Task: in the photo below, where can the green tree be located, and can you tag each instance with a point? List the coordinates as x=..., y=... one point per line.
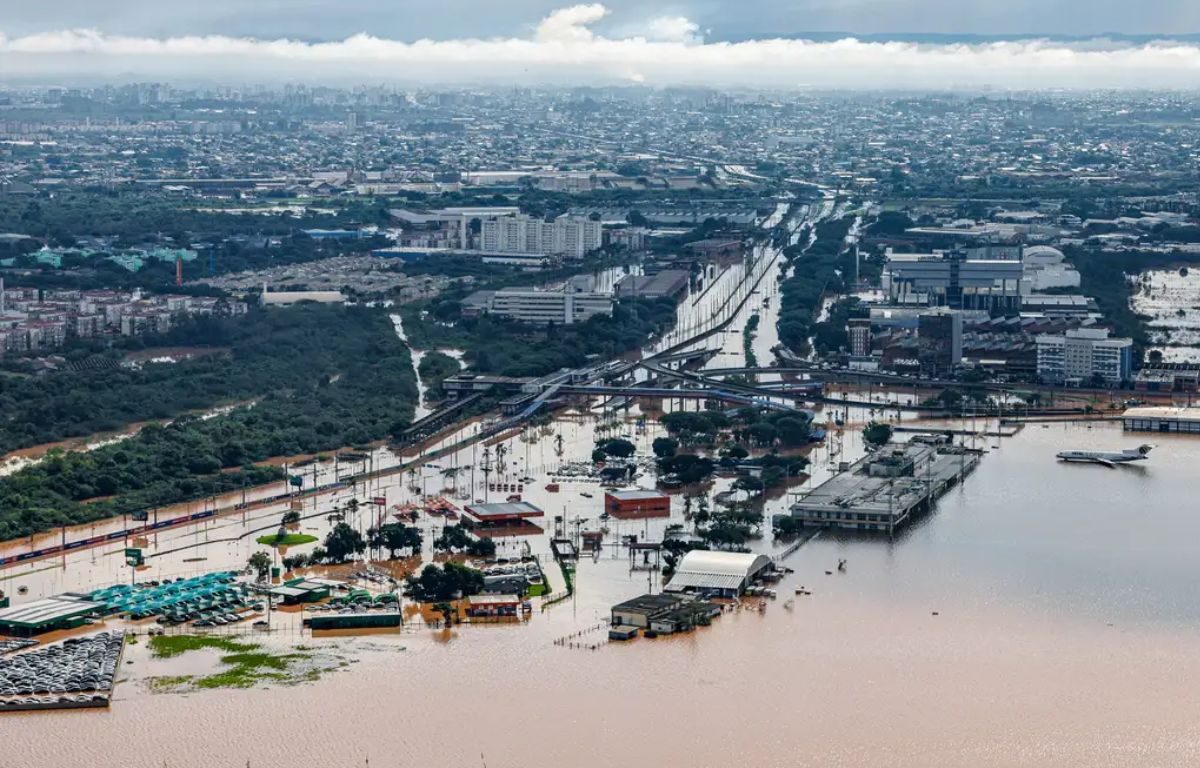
x=665, y=447
x=877, y=433
x=620, y=448
x=260, y=563
x=343, y=542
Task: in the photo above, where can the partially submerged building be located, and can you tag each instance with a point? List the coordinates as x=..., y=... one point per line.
x=721, y=574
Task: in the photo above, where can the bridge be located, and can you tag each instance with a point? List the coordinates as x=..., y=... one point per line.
x=681, y=393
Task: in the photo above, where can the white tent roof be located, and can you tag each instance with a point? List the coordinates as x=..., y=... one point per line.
x=706, y=569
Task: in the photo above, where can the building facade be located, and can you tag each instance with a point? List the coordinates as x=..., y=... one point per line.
x=954, y=280
x=571, y=236
x=939, y=342
x=1083, y=354
x=561, y=307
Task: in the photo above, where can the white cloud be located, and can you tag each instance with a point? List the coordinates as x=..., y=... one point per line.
x=565, y=49
x=570, y=25
x=677, y=28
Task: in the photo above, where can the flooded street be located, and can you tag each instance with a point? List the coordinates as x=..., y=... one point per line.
x=1043, y=614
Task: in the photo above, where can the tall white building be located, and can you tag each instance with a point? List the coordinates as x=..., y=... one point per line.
x=1080, y=354
x=571, y=236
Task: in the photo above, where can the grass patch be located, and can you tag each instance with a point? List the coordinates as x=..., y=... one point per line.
x=247, y=669
x=537, y=590
x=169, y=682
x=167, y=646
x=286, y=540
x=246, y=664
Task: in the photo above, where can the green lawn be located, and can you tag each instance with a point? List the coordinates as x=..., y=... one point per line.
x=245, y=664
x=287, y=540
x=537, y=590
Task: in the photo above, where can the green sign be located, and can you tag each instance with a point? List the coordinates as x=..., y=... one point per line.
x=133, y=556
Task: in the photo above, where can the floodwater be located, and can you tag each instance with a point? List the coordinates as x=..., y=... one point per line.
x=1171, y=298
x=1043, y=615
x=1064, y=635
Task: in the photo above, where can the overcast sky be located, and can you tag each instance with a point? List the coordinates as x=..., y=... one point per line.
x=658, y=43
x=412, y=19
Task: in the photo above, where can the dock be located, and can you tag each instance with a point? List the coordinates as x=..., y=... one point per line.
x=886, y=489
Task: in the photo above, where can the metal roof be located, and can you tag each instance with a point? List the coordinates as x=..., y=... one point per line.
x=47, y=610
x=707, y=569
x=507, y=509
x=1163, y=412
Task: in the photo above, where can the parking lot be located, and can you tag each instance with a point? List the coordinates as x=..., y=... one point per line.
x=75, y=673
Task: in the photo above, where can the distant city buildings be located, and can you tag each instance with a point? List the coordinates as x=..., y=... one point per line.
x=33, y=320
x=1082, y=355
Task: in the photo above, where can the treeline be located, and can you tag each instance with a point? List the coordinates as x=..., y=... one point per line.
x=509, y=348
x=335, y=377
x=292, y=350
x=815, y=271
x=143, y=216
x=162, y=465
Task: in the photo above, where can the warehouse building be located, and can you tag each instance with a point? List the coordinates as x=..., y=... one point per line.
x=641, y=611
x=48, y=615
x=724, y=574
x=509, y=518
x=637, y=504
x=1162, y=419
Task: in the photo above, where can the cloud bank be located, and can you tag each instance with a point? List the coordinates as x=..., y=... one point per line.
x=564, y=49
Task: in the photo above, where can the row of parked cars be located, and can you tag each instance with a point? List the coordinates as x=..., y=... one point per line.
x=217, y=616
x=11, y=644
x=80, y=666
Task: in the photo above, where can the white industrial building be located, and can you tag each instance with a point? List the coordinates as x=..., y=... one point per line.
x=954, y=280
x=726, y=574
x=561, y=307
x=1162, y=419
x=1045, y=268
x=1084, y=353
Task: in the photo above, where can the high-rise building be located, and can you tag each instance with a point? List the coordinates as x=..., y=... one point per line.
x=860, y=336
x=1083, y=354
x=571, y=236
x=939, y=341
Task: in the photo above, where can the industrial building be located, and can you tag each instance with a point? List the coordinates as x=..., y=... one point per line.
x=723, y=574
x=300, y=591
x=666, y=284
x=885, y=489
x=954, y=280
x=637, y=504
x=1082, y=354
x=47, y=615
x=507, y=518
x=357, y=620
x=530, y=305
x=1162, y=419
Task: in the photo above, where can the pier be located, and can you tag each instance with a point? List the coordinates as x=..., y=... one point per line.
x=884, y=490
